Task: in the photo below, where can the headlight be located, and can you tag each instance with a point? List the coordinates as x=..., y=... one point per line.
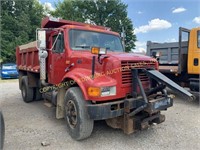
x=108, y=91
x=4, y=72
x=103, y=91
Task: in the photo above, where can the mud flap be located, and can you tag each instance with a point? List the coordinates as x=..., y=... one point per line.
x=156, y=75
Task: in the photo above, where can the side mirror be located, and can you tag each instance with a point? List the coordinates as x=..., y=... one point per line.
x=41, y=41
x=99, y=51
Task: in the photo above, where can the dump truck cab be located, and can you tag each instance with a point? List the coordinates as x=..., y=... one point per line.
x=83, y=70
x=70, y=48
x=194, y=51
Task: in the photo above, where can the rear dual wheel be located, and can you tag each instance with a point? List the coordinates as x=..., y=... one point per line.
x=29, y=94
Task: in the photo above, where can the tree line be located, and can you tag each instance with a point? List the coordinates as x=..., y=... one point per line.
x=19, y=20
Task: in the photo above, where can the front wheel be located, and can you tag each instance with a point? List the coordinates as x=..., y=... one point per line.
x=79, y=124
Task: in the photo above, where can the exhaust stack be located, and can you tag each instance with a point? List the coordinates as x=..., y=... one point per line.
x=41, y=46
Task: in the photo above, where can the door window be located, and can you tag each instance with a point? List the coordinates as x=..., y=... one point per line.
x=58, y=43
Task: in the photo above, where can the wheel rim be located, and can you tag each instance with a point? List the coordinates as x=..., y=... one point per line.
x=71, y=113
x=23, y=91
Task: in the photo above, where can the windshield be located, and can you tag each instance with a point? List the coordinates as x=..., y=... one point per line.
x=8, y=67
x=84, y=40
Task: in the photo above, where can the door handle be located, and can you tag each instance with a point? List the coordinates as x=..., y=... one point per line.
x=68, y=68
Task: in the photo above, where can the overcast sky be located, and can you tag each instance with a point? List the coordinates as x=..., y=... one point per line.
x=157, y=20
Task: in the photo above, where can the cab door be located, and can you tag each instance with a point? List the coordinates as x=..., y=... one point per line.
x=194, y=52
x=57, y=65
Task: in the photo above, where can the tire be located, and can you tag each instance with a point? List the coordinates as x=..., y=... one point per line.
x=2, y=131
x=79, y=124
x=27, y=92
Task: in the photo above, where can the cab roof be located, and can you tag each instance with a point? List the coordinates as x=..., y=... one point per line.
x=50, y=22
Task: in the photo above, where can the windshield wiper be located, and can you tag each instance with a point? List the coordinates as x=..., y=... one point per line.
x=82, y=46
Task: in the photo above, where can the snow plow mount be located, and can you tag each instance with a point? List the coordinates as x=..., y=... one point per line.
x=141, y=111
x=160, y=78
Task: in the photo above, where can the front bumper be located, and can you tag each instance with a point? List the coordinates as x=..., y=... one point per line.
x=118, y=108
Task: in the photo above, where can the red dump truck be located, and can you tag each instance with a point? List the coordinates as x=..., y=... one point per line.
x=83, y=70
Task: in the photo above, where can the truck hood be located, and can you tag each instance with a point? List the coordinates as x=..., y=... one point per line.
x=120, y=56
x=129, y=56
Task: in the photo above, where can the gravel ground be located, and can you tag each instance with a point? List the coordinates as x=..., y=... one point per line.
x=27, y=125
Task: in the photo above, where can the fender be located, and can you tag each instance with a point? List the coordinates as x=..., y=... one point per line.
x=83, y=77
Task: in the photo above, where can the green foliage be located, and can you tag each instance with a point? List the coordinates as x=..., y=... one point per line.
x=100, y=12
x=19, y=20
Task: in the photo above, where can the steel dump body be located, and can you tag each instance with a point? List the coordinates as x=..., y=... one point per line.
x=171, y=60
x=180, y=60
x=27, y=58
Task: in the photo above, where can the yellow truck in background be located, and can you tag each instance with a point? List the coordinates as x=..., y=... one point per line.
x=180, y=61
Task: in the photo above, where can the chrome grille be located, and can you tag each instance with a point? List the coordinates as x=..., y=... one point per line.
x=126, y=70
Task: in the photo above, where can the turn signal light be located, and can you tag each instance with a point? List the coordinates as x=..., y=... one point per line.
x=94, y=91
x=98, y=50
